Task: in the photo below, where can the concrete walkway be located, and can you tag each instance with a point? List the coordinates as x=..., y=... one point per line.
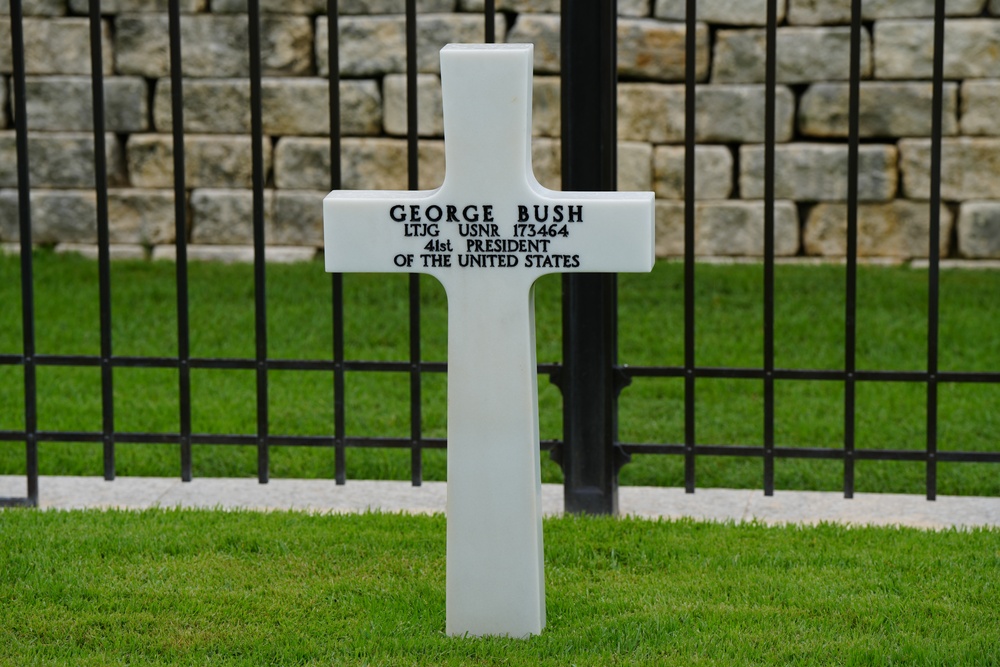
x=357, y=496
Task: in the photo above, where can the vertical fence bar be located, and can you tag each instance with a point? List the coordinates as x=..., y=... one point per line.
x=27, y=272
x=103, y=249
x=413, y=175
x=770, y=85
x=934, y=252
x=180, y=233
x=851, y=289
x=259, y=248
x=412, y=154
x=337, y=279
x=690, y=143
x=590, y=457
x=489, y=17
x=339, y=421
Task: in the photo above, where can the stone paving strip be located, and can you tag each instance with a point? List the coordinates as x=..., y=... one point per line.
x=800, y=507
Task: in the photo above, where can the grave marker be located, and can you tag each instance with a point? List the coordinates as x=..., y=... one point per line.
x=487, y=234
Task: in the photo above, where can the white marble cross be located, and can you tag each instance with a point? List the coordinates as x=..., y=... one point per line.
x=487, y=234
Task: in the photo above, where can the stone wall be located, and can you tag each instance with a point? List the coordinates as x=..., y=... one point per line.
x=811, y=118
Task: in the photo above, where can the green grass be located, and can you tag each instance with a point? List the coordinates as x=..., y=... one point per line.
x=221, y=588
x=809, y=333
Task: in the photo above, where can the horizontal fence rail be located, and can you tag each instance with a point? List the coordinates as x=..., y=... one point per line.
x=338, y=367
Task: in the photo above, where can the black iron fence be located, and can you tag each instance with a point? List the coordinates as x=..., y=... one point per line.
x=589, y=375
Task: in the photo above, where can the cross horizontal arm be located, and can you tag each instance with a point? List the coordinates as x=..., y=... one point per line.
x=530, y=233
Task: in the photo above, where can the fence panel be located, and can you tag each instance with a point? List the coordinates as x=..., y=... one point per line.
x=590, y=375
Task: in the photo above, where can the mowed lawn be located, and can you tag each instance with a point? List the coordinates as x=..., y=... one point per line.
x=809, y=334
x=238, y=588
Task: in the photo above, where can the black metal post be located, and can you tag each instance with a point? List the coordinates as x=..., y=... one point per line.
x=337, y=279
x=180, y=234
x=259, y=243
x=589, y=457
x=413, y=181
x=27, y=273
x=103, y=239
x=690, y=139
x=934, y=253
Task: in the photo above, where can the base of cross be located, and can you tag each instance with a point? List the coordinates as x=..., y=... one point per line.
x=487, y=234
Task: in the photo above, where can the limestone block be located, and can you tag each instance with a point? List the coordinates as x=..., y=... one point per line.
x=727, y=12
x=900, y=228
x=542, y=30
x=519, y=6
x=649, y=49
x=713, y=172
x=223, y=254
x=213, y=45
x=298, y=218
x=318, y=7
x=885, y=109
x=303, y=163
x=529, y=6
x=65, y=103
x=818, y=172
x=56, y=216
x=635, y=166
x=55, y=46
x=123, y=6
x=817, y=12
x=289, y=106
x=725, y=113
x=37, y=7
x=735, y=113
x=59, y=160
x=225, y=217
x=210, y=161
x=970, y=168
x=995, y=7
x=430, y=119
x=136, y=217
x=726, y=228
x=144, y=217
x=804, y=55
x=633, y=8
x=3, y=102
x=301, y=107
x=979, y=229
x=9, y=222
x=546, y=111
x=651, y=112
x=210, y=105
x=347, y=7
x=374, y=45
x=980, y=102
x=670, y=228
x=116, y=251
x=308, y=7
x=905, y=49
